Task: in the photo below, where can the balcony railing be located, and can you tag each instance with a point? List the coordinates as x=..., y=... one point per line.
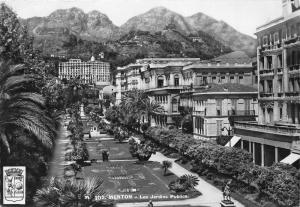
x=294, y=67
x=199, y=113
x=284, y=130
x=266, y=94
x=165, y=87
x=292, y=40
x=292, y=94
x=266, y=72
x=241, y=113
x=274, y=46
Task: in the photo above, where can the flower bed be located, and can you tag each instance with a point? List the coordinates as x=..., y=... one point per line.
x=279, y=182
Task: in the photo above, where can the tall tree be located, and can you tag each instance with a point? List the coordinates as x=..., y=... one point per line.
x=138, y=103
x=22, y=108
x=14, y=38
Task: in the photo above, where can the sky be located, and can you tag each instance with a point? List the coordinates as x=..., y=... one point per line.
x=243, y=15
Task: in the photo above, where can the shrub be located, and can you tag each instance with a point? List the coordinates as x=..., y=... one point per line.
x=142, y=151
x=210, y=176
x=166, y=164
x=280, y=182
x=184, y=183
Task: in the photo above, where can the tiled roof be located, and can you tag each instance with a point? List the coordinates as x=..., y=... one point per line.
x=238, y=57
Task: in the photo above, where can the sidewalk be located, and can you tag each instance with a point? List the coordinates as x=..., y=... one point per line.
x=211, y=196
x=57, y=163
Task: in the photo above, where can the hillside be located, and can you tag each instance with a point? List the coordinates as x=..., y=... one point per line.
x=90, y=26
x=156, y=20
x=52, y=32
x=170, y=43
x=224, y=33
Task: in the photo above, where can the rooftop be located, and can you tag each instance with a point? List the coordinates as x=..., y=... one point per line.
x=278, y=20
x=170, y=64
x=238, y=57
x=226, y=88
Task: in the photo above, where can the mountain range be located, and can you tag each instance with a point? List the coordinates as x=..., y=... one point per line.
x=95, y=26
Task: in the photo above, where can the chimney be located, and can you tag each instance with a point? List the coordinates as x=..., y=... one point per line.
x=286, y=7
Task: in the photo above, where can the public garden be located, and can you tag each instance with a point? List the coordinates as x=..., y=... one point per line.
x=43, y=128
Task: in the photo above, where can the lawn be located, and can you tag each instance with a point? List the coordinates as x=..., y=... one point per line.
x=117, y=151
x=127, y=181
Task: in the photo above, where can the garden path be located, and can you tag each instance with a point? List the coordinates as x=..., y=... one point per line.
x=56, y=165
x=211, y=196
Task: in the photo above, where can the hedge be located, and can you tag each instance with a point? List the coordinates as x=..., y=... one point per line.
x=281, y=182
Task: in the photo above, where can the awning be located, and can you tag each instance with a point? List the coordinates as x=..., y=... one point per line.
x=233, y=141
x=291, y=158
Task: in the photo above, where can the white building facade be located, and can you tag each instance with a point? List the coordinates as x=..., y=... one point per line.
x=90, y=72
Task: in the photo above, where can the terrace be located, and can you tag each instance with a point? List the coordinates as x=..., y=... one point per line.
x=291, y=131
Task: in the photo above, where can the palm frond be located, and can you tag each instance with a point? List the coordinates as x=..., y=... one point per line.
x=5, y=141
x=15, y=81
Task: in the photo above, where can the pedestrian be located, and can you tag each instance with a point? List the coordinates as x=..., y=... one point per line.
x=103, y=156
x=107, y=155
x=150, y=204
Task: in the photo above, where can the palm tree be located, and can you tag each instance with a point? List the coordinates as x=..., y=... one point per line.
x=61, y=192
x=150, y=107
x=138, y=103
x=190, y=181
x=166, y=165
x=21, y=108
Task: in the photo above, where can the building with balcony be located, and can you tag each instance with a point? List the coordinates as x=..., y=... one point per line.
x=224, y=87
x=90, y=72
x=160, y=78
x=128, y=78
x=275, y=137
x=219, y=92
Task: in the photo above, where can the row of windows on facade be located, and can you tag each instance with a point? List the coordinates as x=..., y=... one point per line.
x=293, y=58
x=84, y=72
x=80, y=64
x=85, y=76
x=266, y=86
x=276, y=37
x=204, y=80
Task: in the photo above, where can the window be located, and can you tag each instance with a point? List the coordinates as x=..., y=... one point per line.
x=160, y=82
x=176, y=80
x=280, y=113
x=174, y=105
x=223, y=79
x=204, y=80
x=214, y=79
x=265, y=40
x=276, y=38
x=219, y=107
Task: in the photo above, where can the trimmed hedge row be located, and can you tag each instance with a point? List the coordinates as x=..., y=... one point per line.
x=280, y=182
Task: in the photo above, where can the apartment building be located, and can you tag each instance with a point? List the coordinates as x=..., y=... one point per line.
x=219, y=92
x=275, y=137
x=90, y=72
x=161, y=78
x=222, y=84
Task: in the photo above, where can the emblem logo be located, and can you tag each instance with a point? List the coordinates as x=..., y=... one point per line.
x=14, y=191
